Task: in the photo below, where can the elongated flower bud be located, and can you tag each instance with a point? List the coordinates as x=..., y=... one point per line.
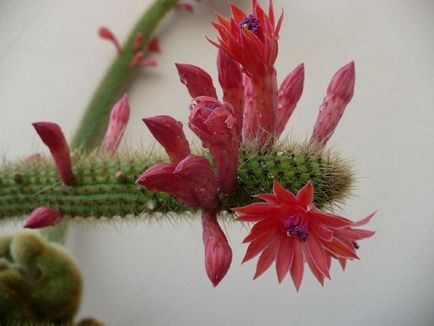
x=138, y=41
x=118, y=122
x=53, y=137
x=42, y=217
x=154, y=45
x=231, y=81
x=168, y=132
x=214, y=123
x=107, y=34
x=197, y=80
x=289, y=93
x=218, y=253
x=339, y=93
x=197, y=171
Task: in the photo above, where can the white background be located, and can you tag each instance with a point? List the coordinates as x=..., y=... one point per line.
x=152, y=274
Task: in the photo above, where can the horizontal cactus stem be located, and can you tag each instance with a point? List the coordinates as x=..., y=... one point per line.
x=106, y=186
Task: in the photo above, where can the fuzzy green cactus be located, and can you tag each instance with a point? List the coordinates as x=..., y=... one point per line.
x=39, y=282
x=105, y=184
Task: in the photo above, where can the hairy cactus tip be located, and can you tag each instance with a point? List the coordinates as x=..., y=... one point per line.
x=240, y=163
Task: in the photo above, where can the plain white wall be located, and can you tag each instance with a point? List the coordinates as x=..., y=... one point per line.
x=153, y=274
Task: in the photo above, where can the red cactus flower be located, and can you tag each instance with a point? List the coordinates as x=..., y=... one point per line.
x=168, y=132
x=214, y=123
x=52, y=136
x=117, y=124
x=107, y=34
x=251, y=40
x=42, y=217
x=339, y=93
x=197, y=80
x=218, y=253
x=291, y=231
x=289, y=93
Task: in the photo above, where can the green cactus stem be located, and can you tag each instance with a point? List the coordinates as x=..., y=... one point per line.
x=113, y=85
x=106, y=184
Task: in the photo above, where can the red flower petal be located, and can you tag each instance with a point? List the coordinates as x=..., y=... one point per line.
x=316, y=252
x=285, y=255
x=297, y=266
x=283, y=194
x=305, y=195
x=256, y=246
x=267, y=257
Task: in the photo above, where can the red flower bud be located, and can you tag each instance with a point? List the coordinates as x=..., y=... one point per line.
x=53, y=137
x=339, y=93
x=118, y=122
x=214, y=123
x=197, y=80
x=289, y=93
x=42, y=217
x=107, y=34
x=170, y=135
x=218, y=253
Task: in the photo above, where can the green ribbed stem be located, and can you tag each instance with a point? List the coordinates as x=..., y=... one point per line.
x=106, y=185
x=94, y=122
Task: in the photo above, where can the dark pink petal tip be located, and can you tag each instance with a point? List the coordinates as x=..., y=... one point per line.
x=42, y=217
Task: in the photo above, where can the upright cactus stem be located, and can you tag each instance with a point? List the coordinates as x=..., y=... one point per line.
x=113, y=85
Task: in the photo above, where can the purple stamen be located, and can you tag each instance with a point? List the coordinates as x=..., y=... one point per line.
x=356, y=245
x=251, y=23
x=293, y=229
x=212, y=106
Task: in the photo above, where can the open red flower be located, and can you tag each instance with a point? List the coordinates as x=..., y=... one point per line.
x=291, y=231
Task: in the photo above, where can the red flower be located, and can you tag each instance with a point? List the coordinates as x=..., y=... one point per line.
x=218, y=253
x=339, y=93
x=251, y=40
x=291, y=231
x=52, y=136
x=214, y=123
x=170, y=135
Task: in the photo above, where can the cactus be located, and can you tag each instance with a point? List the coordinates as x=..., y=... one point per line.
x=39, y=282
x=105, y=183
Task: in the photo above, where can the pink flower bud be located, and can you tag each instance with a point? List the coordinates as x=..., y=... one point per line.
x=32, y=158
x=118, y=122
x=138, y=41
x=197, y=171
x=140, y=61
x=218, y=253
x=185, y=6
x=53, y=137
x=42, y=217
x=339, y=93
x=170, y=135
x=107, y=34
x=214, y=123
x=197, y=80
x=231, y=81
x=154, y=45
x=289, y=93
x=161, y=177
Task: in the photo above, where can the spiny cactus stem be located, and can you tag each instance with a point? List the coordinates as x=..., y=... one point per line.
x=113, y=85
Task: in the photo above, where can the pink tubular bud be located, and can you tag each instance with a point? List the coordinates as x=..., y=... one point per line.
x=231, y=81
x=197, y=80
x=138, y=41
x=198, y=172
x=168, y=132
x=185, y=6
x=53, y=137
x=42, y=217
x=214, y=123
x=161, y=177
x=118, y=122
x=107, y=34
x=218, y=253
x=137, y=59
x=289, y=93
x=339, y=93
x=154, y=45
